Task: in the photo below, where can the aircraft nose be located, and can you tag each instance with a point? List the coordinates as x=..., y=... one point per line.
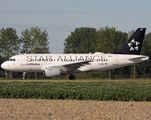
x=4, y=65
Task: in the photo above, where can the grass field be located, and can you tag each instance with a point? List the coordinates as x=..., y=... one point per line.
x=108, y=90
x=143, y=80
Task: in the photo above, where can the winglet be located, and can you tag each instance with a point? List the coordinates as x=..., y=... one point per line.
x=134, y=44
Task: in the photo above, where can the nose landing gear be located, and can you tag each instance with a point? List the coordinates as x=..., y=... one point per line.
x=24, y=76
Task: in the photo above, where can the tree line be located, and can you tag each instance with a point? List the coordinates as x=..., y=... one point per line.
x=81, y=40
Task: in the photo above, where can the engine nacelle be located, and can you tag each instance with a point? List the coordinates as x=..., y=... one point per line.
x=52, y=72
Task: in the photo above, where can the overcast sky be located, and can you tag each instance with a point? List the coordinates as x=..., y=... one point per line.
x=60, y=17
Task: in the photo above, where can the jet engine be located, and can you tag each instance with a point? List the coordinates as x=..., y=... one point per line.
x=52, y=72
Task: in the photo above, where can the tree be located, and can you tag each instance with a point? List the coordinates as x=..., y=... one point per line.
x=9, y=42
x=35, y=40
x=109, y=40
x=1, y=70
x=82, y=40
x=146, y=66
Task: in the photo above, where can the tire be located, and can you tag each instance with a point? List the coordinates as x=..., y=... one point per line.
x=72, y=77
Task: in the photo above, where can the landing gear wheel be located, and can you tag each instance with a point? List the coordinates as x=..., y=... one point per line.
x=72, y=77
x=23, y=78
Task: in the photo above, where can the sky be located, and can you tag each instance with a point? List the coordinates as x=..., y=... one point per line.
x=60, y=17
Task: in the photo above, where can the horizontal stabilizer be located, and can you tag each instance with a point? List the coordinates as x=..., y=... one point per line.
x=139, y=58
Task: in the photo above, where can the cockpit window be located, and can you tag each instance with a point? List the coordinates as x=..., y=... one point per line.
x=11, y=59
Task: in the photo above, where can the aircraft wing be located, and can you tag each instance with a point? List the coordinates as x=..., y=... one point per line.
x=69, y=66
x=76, y=65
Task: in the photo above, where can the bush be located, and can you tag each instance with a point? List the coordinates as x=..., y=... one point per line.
x=76, y=90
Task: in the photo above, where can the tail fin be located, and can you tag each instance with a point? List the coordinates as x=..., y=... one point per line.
x=134, y=44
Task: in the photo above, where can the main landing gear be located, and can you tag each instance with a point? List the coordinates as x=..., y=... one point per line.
x=72, y=77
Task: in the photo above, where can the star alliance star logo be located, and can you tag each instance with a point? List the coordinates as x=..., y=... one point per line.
x=133, y=45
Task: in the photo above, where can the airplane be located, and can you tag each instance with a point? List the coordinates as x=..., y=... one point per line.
x=56, y=64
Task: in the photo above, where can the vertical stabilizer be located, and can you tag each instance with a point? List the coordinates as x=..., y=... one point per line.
x=134, y=44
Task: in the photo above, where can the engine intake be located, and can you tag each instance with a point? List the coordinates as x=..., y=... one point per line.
x=52, y=72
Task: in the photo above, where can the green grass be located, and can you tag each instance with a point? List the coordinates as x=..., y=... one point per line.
x=143, y=80
x=116, y=90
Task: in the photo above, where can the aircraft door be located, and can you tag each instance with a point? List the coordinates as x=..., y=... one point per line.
x=115, y=60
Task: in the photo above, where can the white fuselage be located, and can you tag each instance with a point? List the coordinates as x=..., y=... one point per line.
x=97, y=62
